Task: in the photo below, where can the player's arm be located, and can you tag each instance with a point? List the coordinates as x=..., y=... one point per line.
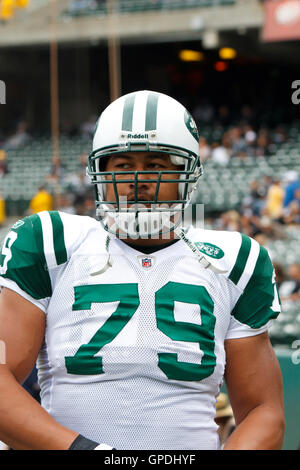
x=24, y=423
x=254, y=385
x=25, y=274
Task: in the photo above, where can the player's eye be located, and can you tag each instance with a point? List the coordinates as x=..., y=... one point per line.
x=122, y=165
x=156, y=165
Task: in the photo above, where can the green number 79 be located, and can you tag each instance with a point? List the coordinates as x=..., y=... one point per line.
x=84, y=361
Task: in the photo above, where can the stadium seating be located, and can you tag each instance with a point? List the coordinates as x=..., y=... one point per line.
x=287, y=327
x=222, y=188
x=242, y=171
x=28, y=167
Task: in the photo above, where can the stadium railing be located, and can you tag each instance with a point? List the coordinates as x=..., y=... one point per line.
x=92, y=7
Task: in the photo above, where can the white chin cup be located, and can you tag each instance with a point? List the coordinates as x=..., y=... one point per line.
x=140, y=224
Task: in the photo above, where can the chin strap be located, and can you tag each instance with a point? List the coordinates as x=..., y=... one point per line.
x=201, y=258
x=207, y=264
x=108, y=262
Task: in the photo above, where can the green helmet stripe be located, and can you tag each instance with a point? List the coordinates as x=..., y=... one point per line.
x=128, y=112
x=58, y=238
x=151, y=112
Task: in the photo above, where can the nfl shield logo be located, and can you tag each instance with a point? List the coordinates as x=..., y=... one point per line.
x=146, y=262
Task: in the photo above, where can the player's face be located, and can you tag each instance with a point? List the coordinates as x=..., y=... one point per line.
x=142, y=161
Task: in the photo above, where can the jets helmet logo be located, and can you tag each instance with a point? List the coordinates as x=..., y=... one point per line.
x=191, y=125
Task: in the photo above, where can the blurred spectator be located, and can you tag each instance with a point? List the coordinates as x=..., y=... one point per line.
x=267, y=181
x=57, y=171
x=250, y=135
x=79, y=204
x=292, y=185
x=255, y=218
x=2, y=211
x=280, y=274
x=204, y=149
x=83, y=163
x=3, y=163
x=19, y=139
x=289, y=290
x=261, y=238
x=257, y=197
x=41, y=201
x=224, y=418
x=85, y=204
x=237, y=141
x=89, y=204
x=87, y=128
x=64, y=202
x=263, y=143
x=292, y=214
x=229, y=220
x=78, y=183
x=274, y=200
x=280, y=135
x=220, y=154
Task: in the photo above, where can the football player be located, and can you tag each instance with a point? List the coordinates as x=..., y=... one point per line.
x=135, y=321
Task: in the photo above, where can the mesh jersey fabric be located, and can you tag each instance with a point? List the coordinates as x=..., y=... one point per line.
x=134, y=353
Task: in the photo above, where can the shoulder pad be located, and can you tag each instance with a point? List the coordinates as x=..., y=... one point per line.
x=216, y=250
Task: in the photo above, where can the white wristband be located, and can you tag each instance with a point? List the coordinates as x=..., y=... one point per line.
x=103, y=447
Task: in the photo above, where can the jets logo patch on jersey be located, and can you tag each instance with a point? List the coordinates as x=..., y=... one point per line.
x=210, y=250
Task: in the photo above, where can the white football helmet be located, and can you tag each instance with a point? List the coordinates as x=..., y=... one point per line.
x=144, y=121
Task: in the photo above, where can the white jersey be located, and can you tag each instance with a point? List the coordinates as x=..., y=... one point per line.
x=134, y=344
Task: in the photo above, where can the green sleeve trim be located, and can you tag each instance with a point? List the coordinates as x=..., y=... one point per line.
x=38, y=236
x=58, y=238
x=27, y=266
x=254, y=307
x=241, y=260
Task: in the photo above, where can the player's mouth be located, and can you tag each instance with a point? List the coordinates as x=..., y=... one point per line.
x=140, y=197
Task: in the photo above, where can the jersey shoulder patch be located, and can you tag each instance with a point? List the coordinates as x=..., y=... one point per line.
x=219, y=248
x=248, y=266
